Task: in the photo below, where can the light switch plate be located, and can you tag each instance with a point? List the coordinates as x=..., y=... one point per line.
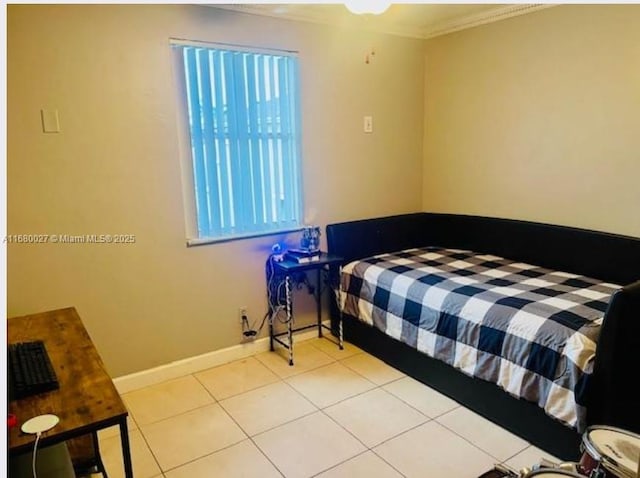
x=50, y=121
x=368, y=124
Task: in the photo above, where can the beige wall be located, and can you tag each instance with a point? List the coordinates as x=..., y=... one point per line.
x=114, y=168
x=538, y=117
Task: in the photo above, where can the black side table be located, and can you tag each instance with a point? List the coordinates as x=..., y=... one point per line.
x=283, y=272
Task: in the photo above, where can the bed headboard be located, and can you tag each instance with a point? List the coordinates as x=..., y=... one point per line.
x=609, y=257
x=368, y=237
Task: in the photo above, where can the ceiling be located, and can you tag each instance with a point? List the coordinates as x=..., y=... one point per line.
x=418, y=20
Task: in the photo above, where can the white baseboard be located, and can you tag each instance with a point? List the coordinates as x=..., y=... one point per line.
x=179, y=368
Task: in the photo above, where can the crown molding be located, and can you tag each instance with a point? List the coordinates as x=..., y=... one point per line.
x=482, y=18
x=461, y=23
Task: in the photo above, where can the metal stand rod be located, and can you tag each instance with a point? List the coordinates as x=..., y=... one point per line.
x=287, y=286
x=318, y=297
x=271, y=331
x=340, y=334
x=126, y=451
x=98, y=456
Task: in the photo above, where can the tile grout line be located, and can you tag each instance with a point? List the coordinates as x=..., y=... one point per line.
x=342, y=399
x=217, y=402
x=187, y=411
x=412, y=406
x=367, y=448
x=184, y=412
x=148, y=445
x=478, y=447
x=231, y=445
x=371, y=449
x=318, y=408
x=338, y=464
x=385, y=461
x=248, y=437
x=321, y=409
x=468, y=441
x=300, y=372
x=401, y=433
x=144, y=438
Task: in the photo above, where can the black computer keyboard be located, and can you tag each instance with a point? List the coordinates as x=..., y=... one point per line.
x=30, y=370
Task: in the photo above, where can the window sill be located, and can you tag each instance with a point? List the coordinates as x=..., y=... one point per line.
x=214, y=240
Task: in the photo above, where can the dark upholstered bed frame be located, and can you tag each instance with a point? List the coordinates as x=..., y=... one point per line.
x=609, y=257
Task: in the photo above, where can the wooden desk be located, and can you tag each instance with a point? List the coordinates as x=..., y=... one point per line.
x=86, y=401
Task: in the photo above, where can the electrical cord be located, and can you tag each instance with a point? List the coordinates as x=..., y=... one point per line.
x=250, y=331
x=275, y=289
x=276, y=294
x=275, y=299
x=36, y=426
x=35, y=450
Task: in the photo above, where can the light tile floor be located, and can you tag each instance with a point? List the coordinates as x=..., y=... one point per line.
x=333, y=414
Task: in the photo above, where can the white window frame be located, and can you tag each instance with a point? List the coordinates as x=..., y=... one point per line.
x=294, y=176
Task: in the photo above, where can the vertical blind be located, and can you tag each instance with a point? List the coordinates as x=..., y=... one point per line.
x=244, y=129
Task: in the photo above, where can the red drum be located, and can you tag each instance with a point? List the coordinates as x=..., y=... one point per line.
x=609, y=452
x=551, y=473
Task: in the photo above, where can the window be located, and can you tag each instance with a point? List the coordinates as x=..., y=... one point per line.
x=244, y=130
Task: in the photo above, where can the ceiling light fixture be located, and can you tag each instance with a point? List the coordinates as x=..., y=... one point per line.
x=373, y=7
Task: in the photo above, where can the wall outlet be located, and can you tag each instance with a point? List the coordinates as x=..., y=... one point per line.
x=247, y=332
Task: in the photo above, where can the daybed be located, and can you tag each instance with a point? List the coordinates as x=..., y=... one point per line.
x=608, y=264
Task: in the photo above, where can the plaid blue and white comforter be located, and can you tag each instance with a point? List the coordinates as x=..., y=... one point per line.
x=530, y=330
